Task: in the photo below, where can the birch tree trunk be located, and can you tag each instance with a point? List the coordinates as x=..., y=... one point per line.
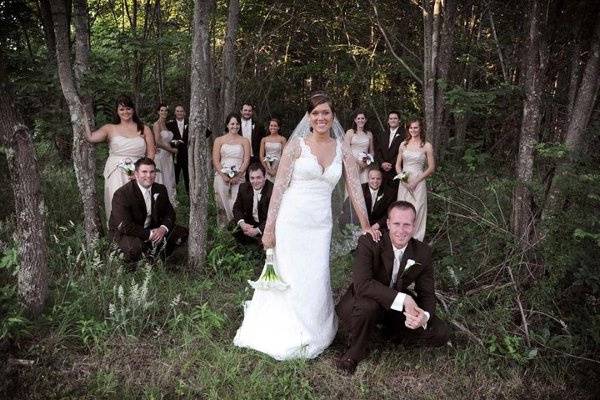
x=198, y=143
x=81, y=116
x=228, y=75
x=32, y=279
x=522, y=212
x=583, y=100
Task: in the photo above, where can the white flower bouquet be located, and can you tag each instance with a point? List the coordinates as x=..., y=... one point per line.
x=127, y=167
x=269, y=158
x=269, y=279
x=366, y=158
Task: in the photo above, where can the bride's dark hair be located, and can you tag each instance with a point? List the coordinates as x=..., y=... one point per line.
x=125, y=101
x=318, y=98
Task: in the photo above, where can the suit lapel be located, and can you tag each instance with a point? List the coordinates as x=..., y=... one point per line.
x=367, y=196
x=387, y=257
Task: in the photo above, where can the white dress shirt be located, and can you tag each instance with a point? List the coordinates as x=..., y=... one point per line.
x=392, y=135
x=255, y=200
x=373, y=197
x=181, y=126
x=146, y=193
x=247, y=132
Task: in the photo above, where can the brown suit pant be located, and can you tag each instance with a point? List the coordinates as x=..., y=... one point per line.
x=359, y=317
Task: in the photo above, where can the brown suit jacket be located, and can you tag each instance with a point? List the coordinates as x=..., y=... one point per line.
x=242, y=208
x=129, y=211
x=372, y=273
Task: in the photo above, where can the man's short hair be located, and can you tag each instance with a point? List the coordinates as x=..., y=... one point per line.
x=394, y=112
x=144, y=161
x=247, y=103
x=256, y=166
x=402, y=205
x=374, y=167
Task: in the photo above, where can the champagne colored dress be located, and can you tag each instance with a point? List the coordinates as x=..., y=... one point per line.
x=164, y=162
x=413, y=162
x=231, y=154
x=121, y=149
x=273, y=149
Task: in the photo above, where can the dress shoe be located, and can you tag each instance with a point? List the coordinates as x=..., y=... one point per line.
x=346, y=364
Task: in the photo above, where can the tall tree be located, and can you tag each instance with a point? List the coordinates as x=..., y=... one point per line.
x=198, y=143
x=582, y=97
x=522, y=211
x=438, y=41
x=30, y=215
x=228, y=72
x=80, y=110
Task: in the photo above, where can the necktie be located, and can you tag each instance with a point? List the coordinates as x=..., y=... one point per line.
x=392, y=135
x=373, y=199
x=148, y=201
x=396, y=268
x=255, y=201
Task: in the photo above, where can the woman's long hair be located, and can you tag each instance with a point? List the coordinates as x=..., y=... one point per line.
x=125, y=101
x=421, y=133
x=237, y=117
x=356, y=114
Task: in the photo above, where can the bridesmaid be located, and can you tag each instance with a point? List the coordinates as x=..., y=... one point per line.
x=272, y=145
x=229, y=150
x=361, y=143
x=128, y=139
x=165, y=153
x=413, y=154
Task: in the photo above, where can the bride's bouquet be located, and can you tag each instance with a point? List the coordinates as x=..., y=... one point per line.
x=269, y=279
x=127, y=167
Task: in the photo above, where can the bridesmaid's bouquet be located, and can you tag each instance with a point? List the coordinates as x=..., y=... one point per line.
x=402, y=177
x=366, y=158
x=175, y=142
x=268, y=278
x=230, y=171
x=127, y=167
x=270, y=159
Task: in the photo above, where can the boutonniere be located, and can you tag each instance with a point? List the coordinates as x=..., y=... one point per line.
x=155, y=196
x=378, y=198
x=185, y=126
x=409, y=263
x=253, y=125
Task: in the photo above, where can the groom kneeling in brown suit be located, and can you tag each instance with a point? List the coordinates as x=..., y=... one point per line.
x=142, y=219
x=381, y=274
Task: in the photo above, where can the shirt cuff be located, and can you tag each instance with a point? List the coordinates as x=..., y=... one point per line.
x=398, y=303
x=258, y=229
x=240, y=221
x=428, y=316
x=166, y=229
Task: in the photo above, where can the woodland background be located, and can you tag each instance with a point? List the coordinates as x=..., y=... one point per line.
x=508, y=91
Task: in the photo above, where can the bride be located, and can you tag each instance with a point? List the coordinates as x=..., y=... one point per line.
x=300, y=322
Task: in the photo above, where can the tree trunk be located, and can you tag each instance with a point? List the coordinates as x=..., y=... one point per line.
x=438, y=32
x=32, y=280
x=83, y=152
x=198, y=145
x=522, y=213
x=583, y=104
x=228, y=75
x=48, y=28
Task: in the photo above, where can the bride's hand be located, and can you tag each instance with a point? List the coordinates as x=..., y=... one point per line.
x=375, y=233
x=268, y=240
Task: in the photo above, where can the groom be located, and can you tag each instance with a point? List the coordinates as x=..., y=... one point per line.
x=381, y=275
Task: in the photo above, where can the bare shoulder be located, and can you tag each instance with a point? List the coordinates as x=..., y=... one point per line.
x=428, y=146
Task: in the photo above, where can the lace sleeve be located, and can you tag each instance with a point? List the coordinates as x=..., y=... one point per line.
x=353, y=186
x=284, y=174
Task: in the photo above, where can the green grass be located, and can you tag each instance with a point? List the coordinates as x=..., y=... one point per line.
x=176, y=340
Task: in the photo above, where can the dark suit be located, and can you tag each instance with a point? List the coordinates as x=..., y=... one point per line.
x=256, y=137
x=242, y=209
x=182, y=151
x=369, y=297
x=128, y=215
x=384, y=152
x=385, y=197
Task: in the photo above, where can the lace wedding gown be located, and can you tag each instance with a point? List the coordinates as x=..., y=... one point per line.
x=413, y=162
x=164, y=162
x=299, y=322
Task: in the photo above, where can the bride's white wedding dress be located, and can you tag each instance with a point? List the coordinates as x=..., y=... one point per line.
x=299, y=322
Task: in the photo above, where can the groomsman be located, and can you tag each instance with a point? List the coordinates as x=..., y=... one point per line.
x=377, y=199
x=386, y=150
x=179, y=127
x=382, y=274
x=142, y=219
x=252, y=131
x=251, y=205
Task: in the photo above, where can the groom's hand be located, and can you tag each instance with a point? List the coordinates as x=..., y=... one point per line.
x=415, y=321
